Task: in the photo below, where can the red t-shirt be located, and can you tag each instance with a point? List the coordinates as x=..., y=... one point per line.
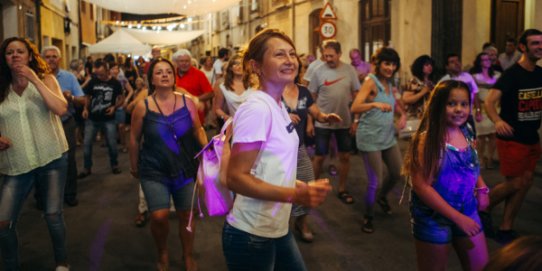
x=196, y=83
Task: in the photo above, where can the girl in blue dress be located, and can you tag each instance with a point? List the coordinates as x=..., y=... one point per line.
x=447, y=189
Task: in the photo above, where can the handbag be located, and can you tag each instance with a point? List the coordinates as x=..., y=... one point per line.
x=212, y=171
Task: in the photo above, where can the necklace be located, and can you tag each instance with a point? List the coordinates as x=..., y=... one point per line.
x=169, y=124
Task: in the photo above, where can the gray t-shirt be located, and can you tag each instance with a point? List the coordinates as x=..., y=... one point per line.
x=334, y=88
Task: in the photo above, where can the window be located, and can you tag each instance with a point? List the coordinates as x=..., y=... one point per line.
x=375, y=30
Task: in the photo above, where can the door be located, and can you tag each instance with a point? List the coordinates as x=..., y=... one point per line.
x=375, y=26
x=446, y=34
x=507, y=21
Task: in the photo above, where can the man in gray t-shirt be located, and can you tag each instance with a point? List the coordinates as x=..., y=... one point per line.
x=333, y=84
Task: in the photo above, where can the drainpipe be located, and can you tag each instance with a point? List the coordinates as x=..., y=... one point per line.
x=37, y=3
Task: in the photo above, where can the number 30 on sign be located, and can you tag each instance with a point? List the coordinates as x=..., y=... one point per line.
x=328, y=30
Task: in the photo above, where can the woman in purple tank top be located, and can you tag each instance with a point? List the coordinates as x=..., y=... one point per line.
x=165, y=136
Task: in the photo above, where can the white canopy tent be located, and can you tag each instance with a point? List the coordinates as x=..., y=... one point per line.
x=120, y=42
x=185, y=7
x=165, y=37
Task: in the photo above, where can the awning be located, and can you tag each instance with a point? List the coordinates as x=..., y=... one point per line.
x=120, y=42
x=184, y=7
x=164, y=37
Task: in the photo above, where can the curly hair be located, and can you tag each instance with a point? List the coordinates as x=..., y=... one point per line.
x=36, y=63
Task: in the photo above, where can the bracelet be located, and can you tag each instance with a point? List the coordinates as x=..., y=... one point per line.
x=482, y=190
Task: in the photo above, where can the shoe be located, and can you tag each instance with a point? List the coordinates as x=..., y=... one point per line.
x=487, y=224
x=141, y=219
x=71, y=202
x=306, y=235
x=504, y=237
x=368, y=224
x=332, y=170
x=116, y=170
x=84, y=174
x=383, y=202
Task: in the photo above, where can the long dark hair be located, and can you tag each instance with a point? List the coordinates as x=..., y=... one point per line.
x=228, y=79
x=432, y=132
x=477, y=68
x=151, y=71
x=36, y=63
x=417, y=67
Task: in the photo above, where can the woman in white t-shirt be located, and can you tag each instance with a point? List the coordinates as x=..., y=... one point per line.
x=485, y=78
x=262, y=166
x=234, y=91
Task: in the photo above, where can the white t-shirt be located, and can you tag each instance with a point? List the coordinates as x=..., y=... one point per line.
x=217, y=66
x=260, y=118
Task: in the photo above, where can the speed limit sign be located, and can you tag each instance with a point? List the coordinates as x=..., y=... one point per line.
x=328, y=30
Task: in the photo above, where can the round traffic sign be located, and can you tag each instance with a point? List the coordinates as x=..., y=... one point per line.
x=328, y=30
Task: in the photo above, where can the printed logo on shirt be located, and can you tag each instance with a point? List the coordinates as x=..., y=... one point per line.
x=329, y=83
x=290, y=127
x=530, y=104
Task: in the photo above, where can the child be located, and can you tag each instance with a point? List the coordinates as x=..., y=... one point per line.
x=447, y=187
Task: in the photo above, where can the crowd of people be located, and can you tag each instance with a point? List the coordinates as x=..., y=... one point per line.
x=281, y=105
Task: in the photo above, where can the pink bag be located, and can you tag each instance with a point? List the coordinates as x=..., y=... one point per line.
x=212, y=172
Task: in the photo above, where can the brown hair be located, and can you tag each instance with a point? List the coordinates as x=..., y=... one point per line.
x=36, y=63
x=432, y=133
x=258, y=45
x=151, y=71
x=228, y=79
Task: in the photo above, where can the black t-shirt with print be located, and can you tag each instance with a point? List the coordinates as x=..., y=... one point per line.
x=103, y=94
x=304, y=101
x=521, y=102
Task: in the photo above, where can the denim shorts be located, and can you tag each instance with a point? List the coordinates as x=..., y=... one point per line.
x=432, y=227
x=158, y=193
x=323, y=136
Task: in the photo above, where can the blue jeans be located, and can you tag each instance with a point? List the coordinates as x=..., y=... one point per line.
x=91, y=129
x=13, y=192
x=245, y=251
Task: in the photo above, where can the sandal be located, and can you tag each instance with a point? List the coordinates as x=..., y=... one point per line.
x=345, y=197
x=141, y=219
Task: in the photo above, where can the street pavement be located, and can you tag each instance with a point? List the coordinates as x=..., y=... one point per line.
x=101, y=234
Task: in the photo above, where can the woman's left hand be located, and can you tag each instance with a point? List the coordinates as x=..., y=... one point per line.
x=483, y=201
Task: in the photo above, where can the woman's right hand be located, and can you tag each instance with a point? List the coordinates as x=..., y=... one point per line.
x=467, y=225
x=5, y=143
x=311, y=194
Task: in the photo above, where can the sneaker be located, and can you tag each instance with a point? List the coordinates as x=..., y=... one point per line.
x=487, y=224
x=368, y=224
x=383, y=202
x=504, y=237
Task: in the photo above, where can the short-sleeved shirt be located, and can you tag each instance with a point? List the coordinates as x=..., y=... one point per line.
x=217, y=66
x=304, y=102
x=68, y=82
x=196, y=83
x=36, y=132
x=261, y=119
x=521, y=102
x=103, y=94
x=310, y=70
x=334, y=88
